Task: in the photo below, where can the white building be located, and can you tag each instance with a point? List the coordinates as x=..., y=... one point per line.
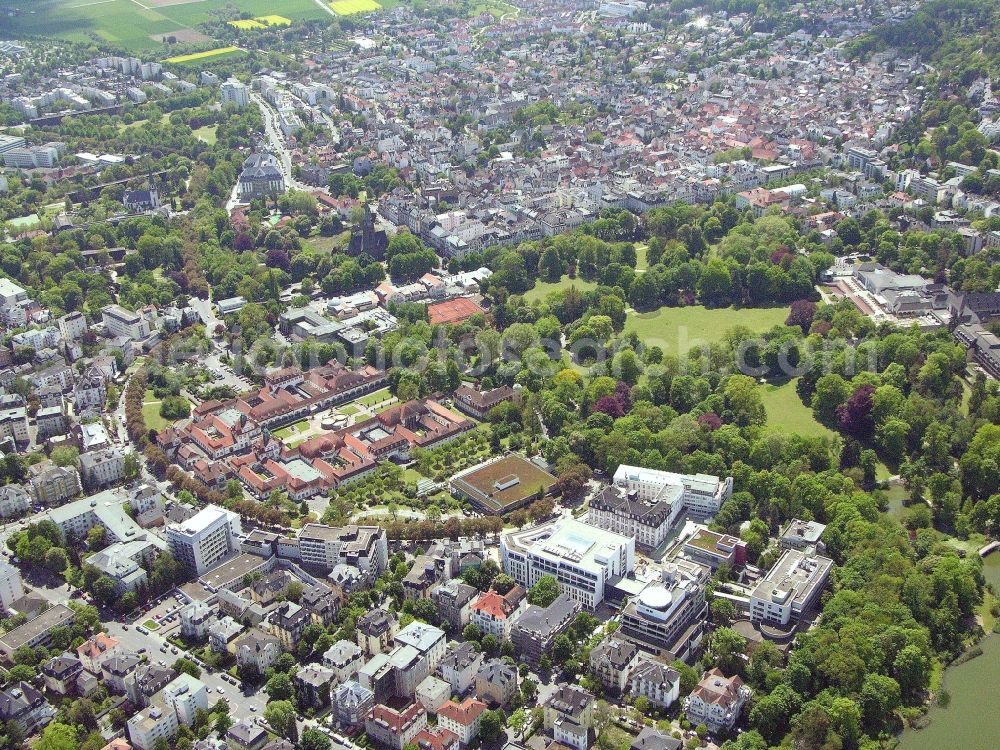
x=236, y=92
x=122, y=322
x=344, y=658
x=103, y=468
x=701, y=494
x=186, y=694
x=11, y=586
x=580, y=556
x=14, y=500
x=204, y=539
x=363, y=547
x=428, y=640
x=150, y=724
x=790, y=588
x=195, y=619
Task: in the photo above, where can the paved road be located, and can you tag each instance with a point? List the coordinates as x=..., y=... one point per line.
x=242, y=705
x=277, y=141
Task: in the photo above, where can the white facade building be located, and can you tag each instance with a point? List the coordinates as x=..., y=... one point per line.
x=11, y=586
x=582, y=558
x=204, y=539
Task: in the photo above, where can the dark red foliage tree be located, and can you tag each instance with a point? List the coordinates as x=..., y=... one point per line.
x=611, y=406
x=710, y=421
x=855, y=416
x=801, y=314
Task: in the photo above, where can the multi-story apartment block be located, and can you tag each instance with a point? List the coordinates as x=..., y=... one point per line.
x=204, y=539
x=186, y=695
x=362, y=547
x=121, y=322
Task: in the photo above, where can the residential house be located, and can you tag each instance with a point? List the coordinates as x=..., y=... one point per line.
x=352, y=703
x=376, y=630
x=494, y=613
x=343, y=658
x=657, y=682
x=312, y=686
x=496, y=682
x=23, y=704
x=569, y=716
x=247, y=735
x=462, y=718
x=716, y=700
x=454, y=602
x=257, y=649
x=395, y=728
x=459, y=666
x=60, y=672
x=612, y=660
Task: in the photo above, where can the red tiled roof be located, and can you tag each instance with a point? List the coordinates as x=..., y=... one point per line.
x=464, y=713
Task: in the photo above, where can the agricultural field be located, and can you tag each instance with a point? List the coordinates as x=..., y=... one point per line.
x=139, y=25
x=261, y=22
x=350, y=7
x=677, y=330
x=207, y=55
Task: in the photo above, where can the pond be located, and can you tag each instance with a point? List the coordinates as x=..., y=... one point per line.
x=991, y=570
x=972, y=720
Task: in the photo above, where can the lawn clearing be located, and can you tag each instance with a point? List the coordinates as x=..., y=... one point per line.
x=786, y=412
x=677, y=330
x=350, y=7
x=206, y=134
x=202, y=56
x=151, y=412
x=542, y=289
x=641, y=262
x=151, y=625
x=292, y=429
x=375, y=398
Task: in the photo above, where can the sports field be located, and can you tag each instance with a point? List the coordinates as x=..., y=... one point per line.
x=138, y=24
x=350, y=7
x=680, y=329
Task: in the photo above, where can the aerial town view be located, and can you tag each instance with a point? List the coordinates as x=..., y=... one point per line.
x=499, y=374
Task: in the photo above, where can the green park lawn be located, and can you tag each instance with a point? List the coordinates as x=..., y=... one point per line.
x=641, y=263
x=206, y=134
x=677, y=330
x=376, y=397
x=151, y=412
x=786, y=412
x=542, y=288
x=292, y=429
